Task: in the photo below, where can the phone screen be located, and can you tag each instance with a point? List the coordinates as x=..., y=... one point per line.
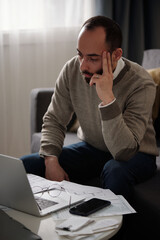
x=90, y=206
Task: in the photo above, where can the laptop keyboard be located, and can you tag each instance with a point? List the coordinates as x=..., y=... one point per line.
x=44, y=203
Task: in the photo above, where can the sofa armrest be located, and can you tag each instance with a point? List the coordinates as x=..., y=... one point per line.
x=40, y=100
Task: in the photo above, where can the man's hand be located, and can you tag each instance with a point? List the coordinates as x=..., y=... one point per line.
x=104, y=82
x=54, y=171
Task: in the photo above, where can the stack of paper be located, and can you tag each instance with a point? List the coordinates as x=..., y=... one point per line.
x=80, y=227
x=119, y=205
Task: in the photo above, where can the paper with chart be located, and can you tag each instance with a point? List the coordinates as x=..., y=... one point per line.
x=72, y=188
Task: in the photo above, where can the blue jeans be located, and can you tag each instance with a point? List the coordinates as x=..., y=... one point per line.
x=82, y=162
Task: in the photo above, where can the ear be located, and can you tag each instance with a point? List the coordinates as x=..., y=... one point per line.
x=117, y=54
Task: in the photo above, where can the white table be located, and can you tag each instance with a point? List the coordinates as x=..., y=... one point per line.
x=45, y=226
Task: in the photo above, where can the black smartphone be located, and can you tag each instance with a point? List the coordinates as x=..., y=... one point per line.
x=90, y=206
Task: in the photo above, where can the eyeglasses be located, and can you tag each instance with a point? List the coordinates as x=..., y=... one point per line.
x=53, y=191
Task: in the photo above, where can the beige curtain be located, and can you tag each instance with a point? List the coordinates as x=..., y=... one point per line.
x=36, y=39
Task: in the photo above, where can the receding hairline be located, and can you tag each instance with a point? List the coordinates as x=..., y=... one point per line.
x=99, y=21
x=111, y=28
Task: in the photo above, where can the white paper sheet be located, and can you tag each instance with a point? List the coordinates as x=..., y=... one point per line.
x=88, y=191
x=74, y=223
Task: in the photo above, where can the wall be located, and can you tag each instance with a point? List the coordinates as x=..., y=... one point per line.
x=27, y=61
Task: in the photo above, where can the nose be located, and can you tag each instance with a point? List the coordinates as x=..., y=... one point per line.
x=84, y=64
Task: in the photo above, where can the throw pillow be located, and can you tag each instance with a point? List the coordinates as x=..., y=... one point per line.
x=155, y=74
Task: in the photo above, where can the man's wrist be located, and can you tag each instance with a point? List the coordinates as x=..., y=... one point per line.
x=50, y=158
x=109, y=98
x=102, y=104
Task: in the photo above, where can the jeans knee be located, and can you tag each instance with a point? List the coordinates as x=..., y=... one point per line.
x=116, y=178
x=112, y=167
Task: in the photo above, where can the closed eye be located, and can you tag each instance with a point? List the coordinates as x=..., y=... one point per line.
x=90, y=57
x=93, y=59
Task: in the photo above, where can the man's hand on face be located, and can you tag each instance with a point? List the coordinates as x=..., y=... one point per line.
x=104, y=82
x=54, y=171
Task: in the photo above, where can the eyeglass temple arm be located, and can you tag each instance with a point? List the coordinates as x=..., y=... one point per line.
x=47, y=190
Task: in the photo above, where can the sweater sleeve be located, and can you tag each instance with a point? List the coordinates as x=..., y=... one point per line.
x=57, y=117
x=124, y=131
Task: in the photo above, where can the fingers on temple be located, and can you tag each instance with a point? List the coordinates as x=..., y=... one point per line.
x=107, y=68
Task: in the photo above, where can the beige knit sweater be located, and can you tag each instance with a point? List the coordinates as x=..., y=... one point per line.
x=122, y=128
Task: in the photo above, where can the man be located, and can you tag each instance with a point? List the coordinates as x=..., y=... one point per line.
x=112, y=98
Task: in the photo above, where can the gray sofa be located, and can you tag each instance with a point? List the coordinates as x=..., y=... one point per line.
x=146, y=198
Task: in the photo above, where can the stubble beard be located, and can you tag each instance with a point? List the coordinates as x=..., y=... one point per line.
x=88, y=79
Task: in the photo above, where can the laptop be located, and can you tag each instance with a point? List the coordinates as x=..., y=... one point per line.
x=16, y=192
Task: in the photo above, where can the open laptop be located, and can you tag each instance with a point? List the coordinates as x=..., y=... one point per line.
x=16, y=192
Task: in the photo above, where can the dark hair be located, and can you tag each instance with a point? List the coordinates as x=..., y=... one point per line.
x=112, y=30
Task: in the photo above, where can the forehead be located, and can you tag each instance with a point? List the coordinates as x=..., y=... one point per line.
x=92, y=41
